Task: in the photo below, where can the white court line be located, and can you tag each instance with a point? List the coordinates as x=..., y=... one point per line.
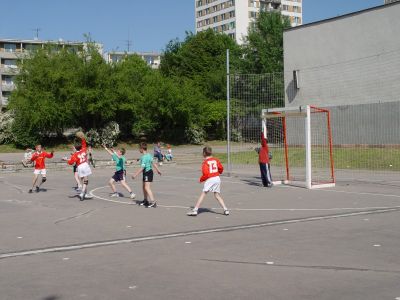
x=362, y=193
x=183, y=234
x=288, y=186
x=246, y=209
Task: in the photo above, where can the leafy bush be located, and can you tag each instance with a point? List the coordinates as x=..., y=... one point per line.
x=195, y=135
x=93, y=137
x=110, y=133
x=24, y=135
x=6, y=122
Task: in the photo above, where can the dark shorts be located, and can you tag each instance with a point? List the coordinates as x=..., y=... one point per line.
x=148, y=176
x=119, y=176
x=75, y=168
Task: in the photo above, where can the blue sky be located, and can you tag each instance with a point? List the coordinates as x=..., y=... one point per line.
x=148, y=24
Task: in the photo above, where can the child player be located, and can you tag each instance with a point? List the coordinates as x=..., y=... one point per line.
x=211, y=169
x=78, y=186
x=263, y=160
x=40, y=168
x=80, y=159
x=146, y=167
x=120, y=171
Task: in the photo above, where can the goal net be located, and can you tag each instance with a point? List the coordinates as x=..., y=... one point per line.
x=300, y=143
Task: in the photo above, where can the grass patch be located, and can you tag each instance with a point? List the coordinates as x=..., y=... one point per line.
x=387, y=159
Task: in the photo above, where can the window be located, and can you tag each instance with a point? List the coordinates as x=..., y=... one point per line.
x=10, y=63
x=232, y=25
x=8, y=80
x=253, y=14
x=10, y=47
x=232, y=14
x=215, y=19
x=31, y=47
x=223, y=17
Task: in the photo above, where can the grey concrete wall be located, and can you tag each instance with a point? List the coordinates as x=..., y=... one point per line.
x=351, y=59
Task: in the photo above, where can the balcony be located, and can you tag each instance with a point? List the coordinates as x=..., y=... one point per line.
x=7, y=86
x=8, y=70
x=270, y=5
x=4, y=101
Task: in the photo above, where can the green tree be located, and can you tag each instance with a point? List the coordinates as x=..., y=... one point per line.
x=263, y=49
x=202, y=58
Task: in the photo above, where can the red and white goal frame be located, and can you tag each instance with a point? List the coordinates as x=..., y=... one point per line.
x=300, y=141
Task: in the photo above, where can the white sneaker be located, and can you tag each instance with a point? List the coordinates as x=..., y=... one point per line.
x=226, y=212
x=114, y=195
x=193, y=212
x=88, y=196
x=133, y=196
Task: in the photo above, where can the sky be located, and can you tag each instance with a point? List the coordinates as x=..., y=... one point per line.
x=148, y=25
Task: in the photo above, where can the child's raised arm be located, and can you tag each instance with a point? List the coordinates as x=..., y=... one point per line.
x=108, y=150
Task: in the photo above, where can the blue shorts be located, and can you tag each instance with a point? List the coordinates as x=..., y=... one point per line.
x=148, y=176
x=119, y=176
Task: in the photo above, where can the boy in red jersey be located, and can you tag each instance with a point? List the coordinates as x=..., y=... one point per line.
x=80, y=159
x=40, y=167
x=263, y=160
x=211, y=169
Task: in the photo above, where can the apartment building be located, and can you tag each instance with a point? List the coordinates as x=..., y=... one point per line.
x=151, y=58
x=14, y=50
x=233, y=17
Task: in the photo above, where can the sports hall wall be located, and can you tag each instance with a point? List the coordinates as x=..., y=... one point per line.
x=351, y=65
x=351, y=59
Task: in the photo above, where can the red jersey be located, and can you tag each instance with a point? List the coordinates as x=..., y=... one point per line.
x=263, y=156
x=39, y=157
x=211, y=167
x=79, y=157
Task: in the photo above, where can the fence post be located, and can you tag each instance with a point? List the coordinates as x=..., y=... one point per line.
x=228, y=111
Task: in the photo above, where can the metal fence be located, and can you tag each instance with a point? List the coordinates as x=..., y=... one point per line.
x=366, y=137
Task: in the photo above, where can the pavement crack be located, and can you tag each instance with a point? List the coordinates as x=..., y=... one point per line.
x=74, y=216
x=19, y=189
x=315, y=267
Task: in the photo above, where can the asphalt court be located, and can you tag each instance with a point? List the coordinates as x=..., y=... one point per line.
x=278, y=243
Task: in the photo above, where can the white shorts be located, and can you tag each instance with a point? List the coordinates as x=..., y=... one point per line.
x=84, y=170
x=212, y=184
x=40, y=172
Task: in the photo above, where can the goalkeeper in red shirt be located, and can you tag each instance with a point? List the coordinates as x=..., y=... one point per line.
x=211, y=169
x=263, y=160
x=38, y=158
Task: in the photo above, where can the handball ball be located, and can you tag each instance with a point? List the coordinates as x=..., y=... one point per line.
x=80, y=135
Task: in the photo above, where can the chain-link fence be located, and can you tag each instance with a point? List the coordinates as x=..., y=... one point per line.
x=366, y=137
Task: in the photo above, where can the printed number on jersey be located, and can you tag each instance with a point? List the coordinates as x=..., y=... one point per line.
x=82, y=158
x=213, y=167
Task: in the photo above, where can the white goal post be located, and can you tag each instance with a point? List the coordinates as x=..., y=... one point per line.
x=300, y=143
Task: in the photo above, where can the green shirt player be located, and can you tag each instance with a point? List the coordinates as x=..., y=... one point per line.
x=146, y=167
x=120, y=170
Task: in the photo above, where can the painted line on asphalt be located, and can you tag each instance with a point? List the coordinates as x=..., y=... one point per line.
x=188, y=233
x=246, y=209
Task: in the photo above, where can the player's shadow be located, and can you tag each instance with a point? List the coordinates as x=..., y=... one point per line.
x=77, y=196
x=253, y=182
x=52, y=297
x=207, y=210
